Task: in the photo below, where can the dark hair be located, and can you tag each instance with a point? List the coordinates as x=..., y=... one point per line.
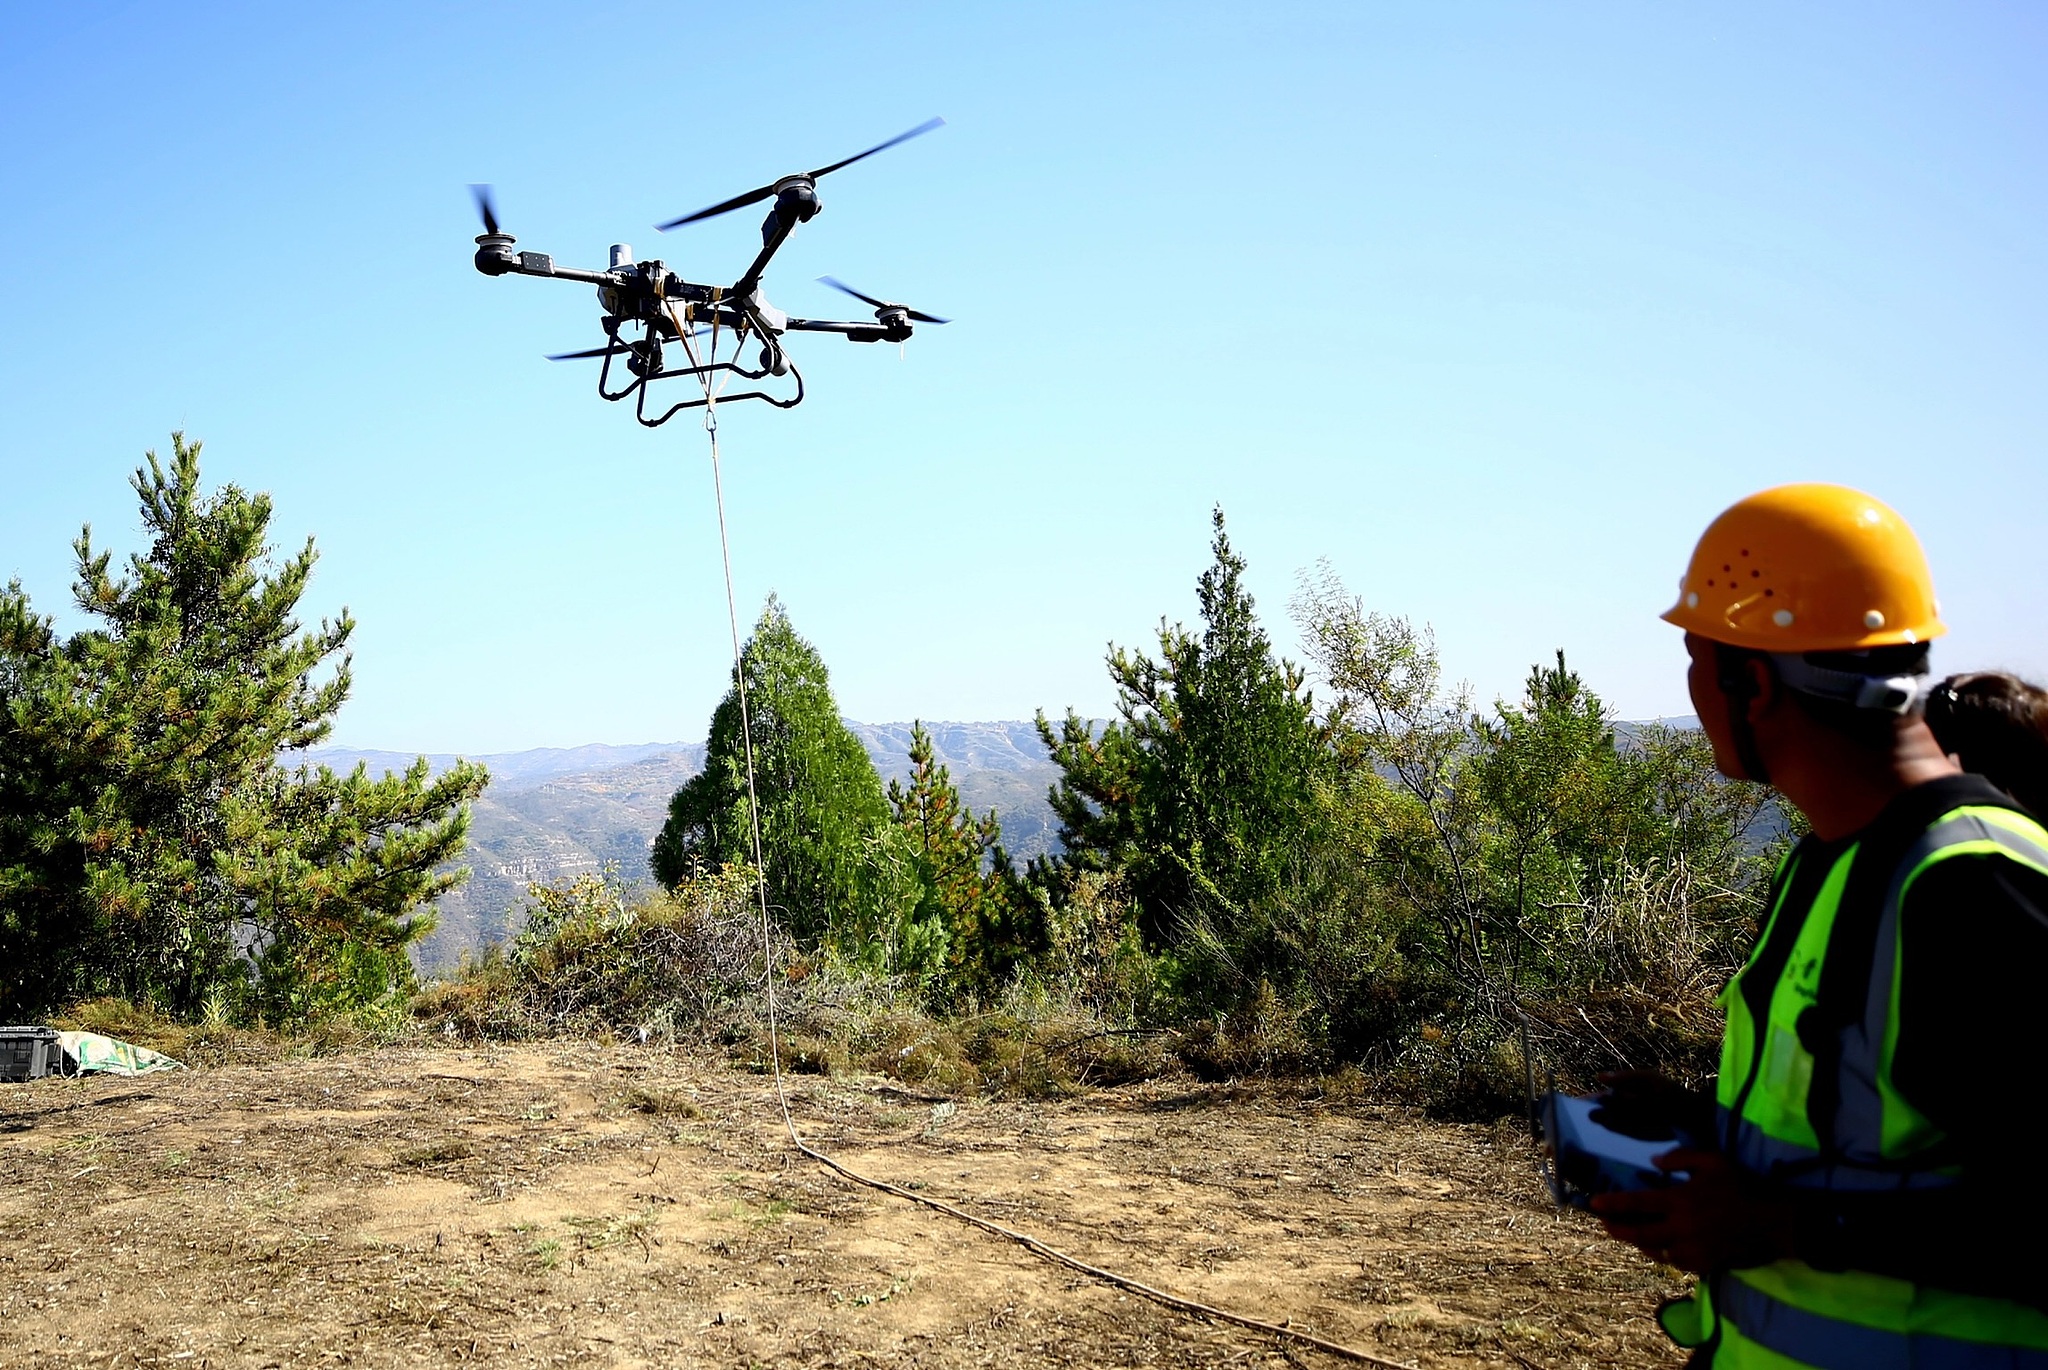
x=1996, y=725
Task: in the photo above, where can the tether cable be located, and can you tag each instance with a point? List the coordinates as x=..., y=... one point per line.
x=1023, y=1239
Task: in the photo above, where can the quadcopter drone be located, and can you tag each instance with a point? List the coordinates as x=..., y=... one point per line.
x=666, y=310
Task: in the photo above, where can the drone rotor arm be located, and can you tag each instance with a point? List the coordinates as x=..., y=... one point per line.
x=825, y=326
x=852, y=332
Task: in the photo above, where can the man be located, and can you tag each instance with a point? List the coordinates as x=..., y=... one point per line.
x=1876, y=1197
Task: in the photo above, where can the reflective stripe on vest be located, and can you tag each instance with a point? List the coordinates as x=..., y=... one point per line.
x=1884, y=1324
x=1787, y=1315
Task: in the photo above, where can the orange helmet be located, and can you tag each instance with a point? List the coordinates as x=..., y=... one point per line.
x=1808, y=568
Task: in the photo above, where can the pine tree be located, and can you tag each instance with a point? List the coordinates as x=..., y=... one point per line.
x=1570, y=808
x=1200, y=795
x=821, y=801
x=151, y=844
x=970, y=885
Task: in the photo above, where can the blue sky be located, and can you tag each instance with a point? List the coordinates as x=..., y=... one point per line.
x=1493, y=306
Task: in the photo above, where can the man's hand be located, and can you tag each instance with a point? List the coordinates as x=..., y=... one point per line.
x=1710, y=1221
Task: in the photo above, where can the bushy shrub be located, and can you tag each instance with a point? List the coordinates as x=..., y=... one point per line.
x=596, y=956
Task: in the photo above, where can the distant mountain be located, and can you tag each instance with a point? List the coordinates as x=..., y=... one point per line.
x=962, y=747
x=1627, y=732
x=509, y=769
x=999, y=766
x=549, y=814
x=554, y=813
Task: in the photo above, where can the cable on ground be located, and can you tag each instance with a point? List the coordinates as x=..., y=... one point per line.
x=1023, y=1239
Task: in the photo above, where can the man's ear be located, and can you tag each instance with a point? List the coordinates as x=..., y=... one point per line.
x=1766, y=693
x=1749, y=684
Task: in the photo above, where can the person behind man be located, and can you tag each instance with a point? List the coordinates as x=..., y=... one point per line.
x=1876, y=1198
x=1995, y=725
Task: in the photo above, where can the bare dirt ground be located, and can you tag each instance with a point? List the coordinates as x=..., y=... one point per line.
x=565, y=1205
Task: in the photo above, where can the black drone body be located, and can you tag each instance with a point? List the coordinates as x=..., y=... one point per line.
x=670, y=312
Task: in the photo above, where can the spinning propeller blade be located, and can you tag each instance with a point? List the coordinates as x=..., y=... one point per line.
x=736, y=202
x=485, y=207
x=926, y=127
x=843, y=287
x=758, y=195
x=624, y=346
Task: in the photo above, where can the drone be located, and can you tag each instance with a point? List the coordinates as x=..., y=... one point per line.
x=650, y=312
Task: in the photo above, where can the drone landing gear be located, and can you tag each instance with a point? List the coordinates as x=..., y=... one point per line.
x=644, y=361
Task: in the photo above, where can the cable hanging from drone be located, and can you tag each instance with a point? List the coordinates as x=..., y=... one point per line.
x=649, y=308
x=670, y=310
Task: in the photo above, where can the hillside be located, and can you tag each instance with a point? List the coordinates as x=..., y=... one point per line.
x=553, y=813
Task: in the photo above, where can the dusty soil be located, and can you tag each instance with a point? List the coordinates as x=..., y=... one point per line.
x=565, y=1205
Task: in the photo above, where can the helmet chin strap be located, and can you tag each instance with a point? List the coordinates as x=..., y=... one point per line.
x=1739, y=687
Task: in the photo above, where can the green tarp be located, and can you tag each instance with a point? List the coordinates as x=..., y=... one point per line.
x=88, y=1053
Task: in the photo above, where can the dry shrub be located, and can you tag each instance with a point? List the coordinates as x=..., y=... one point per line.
x=915, y=1049
x=686, y=965
x=596, y=958
x=661, y=1102
x=1630, y=979
x=214, y=1041
x=1025, y=1046
x=1267, y=1035
x=1121, y=1057
x=481, y=1002
x=668, y=963
x=800, y=1054
x=1650, y=954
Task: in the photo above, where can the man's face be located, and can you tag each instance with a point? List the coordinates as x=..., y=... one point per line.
x=1710, y=702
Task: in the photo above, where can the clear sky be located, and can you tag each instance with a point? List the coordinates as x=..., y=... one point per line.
x=1493, y=306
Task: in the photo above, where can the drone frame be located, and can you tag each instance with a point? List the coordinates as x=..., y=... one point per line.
x=649, y=294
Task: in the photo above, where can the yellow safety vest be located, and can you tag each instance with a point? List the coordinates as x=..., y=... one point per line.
x=1788, y=1315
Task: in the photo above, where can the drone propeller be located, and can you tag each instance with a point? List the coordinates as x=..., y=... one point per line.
x=758, y=195
x=485, y=207
x=623, y=345
x=926, y=127
x=843, y=287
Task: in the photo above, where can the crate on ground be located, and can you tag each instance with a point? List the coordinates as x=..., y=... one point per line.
x=29, y=1053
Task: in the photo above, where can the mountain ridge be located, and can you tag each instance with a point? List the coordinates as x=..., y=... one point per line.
x=555, y=813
